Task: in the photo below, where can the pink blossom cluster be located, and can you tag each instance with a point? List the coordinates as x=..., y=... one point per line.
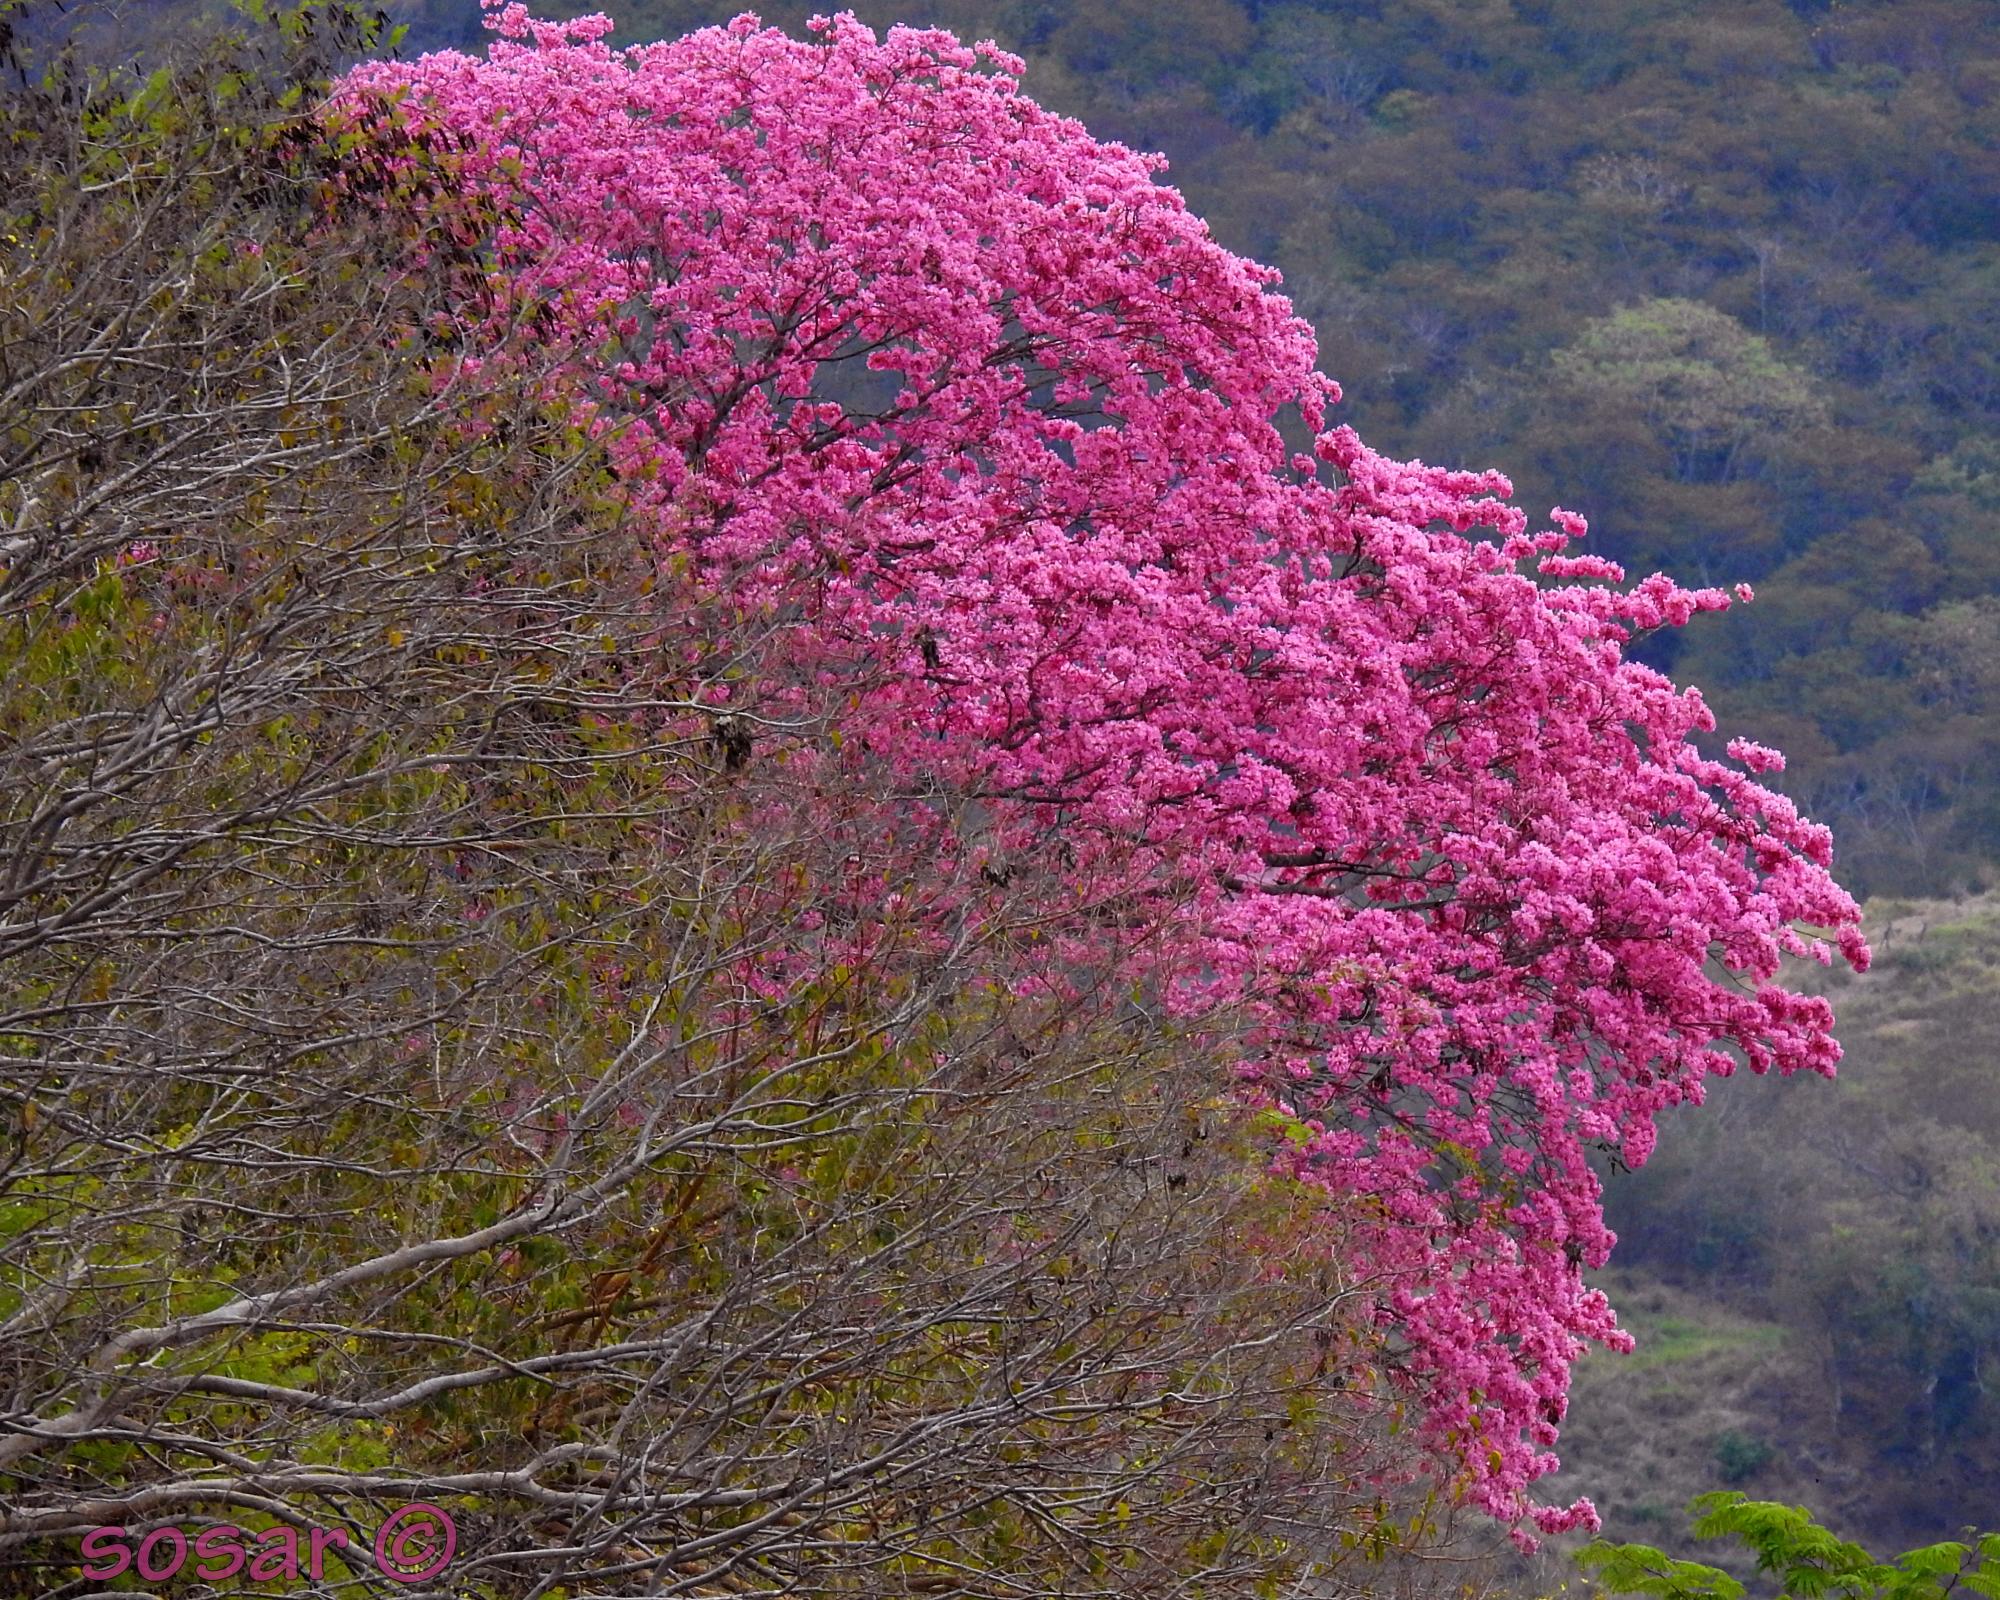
x=1044, y=479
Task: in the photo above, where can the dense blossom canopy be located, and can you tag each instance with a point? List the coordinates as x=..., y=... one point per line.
x=1043, y=479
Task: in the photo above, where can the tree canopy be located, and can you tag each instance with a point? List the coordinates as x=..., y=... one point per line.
x=1022, y=467
x=1454, y=191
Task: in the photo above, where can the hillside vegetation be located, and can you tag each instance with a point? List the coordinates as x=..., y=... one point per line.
x=1858, y=1223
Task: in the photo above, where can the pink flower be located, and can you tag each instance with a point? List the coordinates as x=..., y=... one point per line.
x=1403, y=816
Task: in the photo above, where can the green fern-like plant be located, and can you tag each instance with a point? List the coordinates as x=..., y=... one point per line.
x=1805, y=1560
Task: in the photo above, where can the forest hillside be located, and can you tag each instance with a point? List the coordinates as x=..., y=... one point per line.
x=1823, y=1297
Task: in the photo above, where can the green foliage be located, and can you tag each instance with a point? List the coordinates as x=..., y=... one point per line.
x=1728, y=273
x=1639, y=1569
x=1741, y=1455
x=1802, y=1559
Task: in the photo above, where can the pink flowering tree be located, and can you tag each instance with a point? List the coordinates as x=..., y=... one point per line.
x=993, y=449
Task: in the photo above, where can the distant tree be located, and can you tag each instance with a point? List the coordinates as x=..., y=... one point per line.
x=1958, y=651
x=1715, y=394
